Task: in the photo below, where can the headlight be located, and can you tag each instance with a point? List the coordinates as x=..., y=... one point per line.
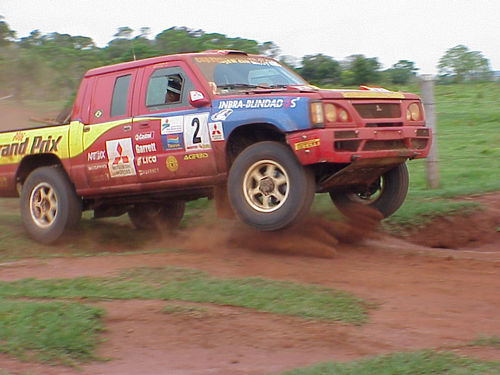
x=317, y=116
x=330, y=113
x=413, y=112
x=343, y=116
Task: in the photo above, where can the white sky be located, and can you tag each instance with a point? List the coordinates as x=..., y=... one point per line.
x=391, y=30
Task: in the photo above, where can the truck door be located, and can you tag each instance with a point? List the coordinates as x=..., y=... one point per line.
x=171, y=137
x=108, y=138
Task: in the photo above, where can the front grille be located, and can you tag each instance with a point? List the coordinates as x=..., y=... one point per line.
x=381, y=110
x=346, y=145
x=396, y=144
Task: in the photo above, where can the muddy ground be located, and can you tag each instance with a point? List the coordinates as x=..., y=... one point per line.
x=428, y=296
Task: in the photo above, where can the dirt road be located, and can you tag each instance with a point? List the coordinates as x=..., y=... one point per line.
x=428, y=298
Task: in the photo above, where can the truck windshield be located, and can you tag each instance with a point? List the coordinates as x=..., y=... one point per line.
x=226, y=74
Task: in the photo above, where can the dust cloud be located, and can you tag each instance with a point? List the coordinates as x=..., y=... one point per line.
x=314, y=236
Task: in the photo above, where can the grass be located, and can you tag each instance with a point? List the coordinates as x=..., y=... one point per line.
x=67, y=332
x=493, y=341
x=56, y=332
x=171, y=283
x=413, y=363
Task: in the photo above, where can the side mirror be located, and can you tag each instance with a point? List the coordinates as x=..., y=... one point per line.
x=198, y=99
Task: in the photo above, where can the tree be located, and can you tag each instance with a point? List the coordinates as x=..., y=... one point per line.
x=459, y=65
x=7, y=36
x=269, y=49
x=366, y=70
x=402, y=71
x=320, y=69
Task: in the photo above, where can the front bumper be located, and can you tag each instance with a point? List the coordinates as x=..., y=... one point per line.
x=346, y=145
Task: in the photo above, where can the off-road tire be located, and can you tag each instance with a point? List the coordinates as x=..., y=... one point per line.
x=157, y=217
x=49, y=204
x=393, y=187
x=268, y=188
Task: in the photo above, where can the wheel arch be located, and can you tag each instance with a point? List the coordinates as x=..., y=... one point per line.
x=248, y=134
x=32, y=162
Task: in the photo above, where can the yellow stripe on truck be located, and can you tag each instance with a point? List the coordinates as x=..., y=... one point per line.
x=16, y=145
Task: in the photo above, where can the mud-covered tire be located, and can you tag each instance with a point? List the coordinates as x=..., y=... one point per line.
x=386, y=194
x=268, y=188
x=157, y=217
x=49, y=204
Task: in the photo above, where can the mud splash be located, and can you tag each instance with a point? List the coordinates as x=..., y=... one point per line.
x=314, y=236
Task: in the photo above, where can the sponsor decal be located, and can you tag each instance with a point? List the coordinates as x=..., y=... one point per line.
x=97, y=167
x=120, y=157
x=221, y=115
x=144, y=136
x=307, y=144
x=172, y=141
x=199, y=155
x=144, y=149
x=172, y=125
x=259, y=103
x=96, y=155
x=195, y=95
x=38, y=145
x=216, y=131
x=372, y=94
x=172, y=164
x=196, y=131
x=146, y=172
x=141, y=160
x=236, y=60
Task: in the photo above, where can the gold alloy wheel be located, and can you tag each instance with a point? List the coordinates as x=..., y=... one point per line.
x=265, y=186
x=43, y=205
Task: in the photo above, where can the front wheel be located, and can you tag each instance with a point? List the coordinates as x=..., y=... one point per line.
x=268, y=188
x=387, y=193
x=49, y=204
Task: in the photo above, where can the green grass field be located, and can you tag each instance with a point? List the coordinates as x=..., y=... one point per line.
x=412, y=363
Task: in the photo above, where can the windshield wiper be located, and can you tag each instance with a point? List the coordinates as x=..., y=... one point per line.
x=241, y=86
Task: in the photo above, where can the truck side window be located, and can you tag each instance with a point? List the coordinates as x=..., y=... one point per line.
x=164, y=89
x=167, y=88
x=119, y=99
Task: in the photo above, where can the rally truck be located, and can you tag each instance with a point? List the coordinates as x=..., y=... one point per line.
x=144, y=137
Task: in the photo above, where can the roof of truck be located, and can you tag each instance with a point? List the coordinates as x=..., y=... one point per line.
x=157, y=60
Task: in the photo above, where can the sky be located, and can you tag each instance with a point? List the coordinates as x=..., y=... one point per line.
x=390, y=30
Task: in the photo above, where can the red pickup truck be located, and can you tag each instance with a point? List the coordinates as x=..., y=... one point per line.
x=144, y=137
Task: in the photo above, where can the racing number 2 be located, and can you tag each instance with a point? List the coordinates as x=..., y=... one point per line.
x=196, y=123
x=196, y=136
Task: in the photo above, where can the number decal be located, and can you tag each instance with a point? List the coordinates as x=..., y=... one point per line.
x=196, y=123
x=196, y=136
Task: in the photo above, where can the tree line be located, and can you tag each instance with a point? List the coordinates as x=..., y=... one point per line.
x=49, y=66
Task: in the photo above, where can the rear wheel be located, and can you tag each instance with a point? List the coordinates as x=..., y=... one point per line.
x=49, y=204
x=387, y=193
x=150, y=216
x=268, y=188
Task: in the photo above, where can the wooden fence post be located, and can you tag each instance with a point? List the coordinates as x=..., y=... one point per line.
x=432, y=163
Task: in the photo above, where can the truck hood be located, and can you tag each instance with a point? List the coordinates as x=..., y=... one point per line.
x=364, y=94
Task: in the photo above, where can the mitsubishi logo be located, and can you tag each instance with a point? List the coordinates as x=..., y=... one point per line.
x=378, y=108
